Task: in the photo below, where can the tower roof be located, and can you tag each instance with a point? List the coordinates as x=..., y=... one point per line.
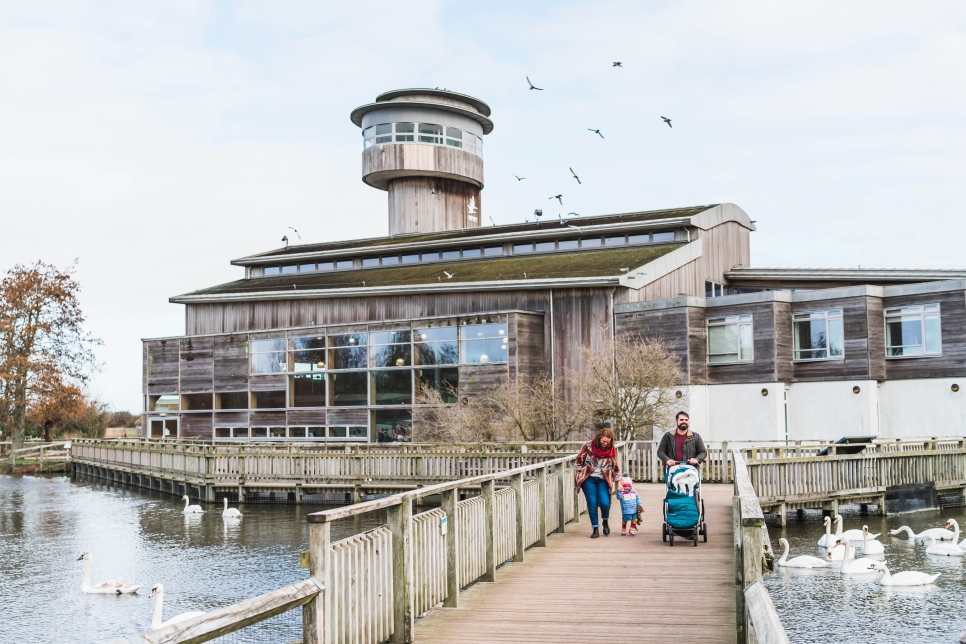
x=435, y=99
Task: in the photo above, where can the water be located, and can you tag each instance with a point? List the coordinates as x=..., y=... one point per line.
x=203, y=562
x=824, y=606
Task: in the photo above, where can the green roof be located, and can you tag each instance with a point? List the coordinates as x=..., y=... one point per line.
x=556, y=265
x=470, y=233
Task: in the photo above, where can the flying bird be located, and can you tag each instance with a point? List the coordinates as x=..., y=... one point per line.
x=618, y=65
x=532, y=86
x=492, y=222
x=449, y=276
x=296, y=232
x=518, y=178
x=574, y=213
x=575, y=177
x=668, y=121
x=558, y=197
x=597, y=132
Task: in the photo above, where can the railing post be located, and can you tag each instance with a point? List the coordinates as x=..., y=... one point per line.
x=317, y=614
x=450, y=507
x=487, y=491
x=561, y=497
x=655, y=465
x=516, y=482
x=403, y=573
x=725, y=473
x=541, y=507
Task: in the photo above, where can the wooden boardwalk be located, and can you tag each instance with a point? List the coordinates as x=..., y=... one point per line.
x=609, y=589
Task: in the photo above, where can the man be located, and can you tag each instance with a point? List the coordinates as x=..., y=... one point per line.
x=682, y=445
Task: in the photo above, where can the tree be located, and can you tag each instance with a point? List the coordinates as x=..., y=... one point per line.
x=56, y=404
x=440, y=418
x=633, y=387
x=42, y=339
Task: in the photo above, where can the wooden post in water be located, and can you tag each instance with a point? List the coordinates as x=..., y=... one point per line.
x=487, y=491
x=450, y=502
x=561, y=497
x=317, y=614
x=541, y=507
x=403, y=571
x=516, y=483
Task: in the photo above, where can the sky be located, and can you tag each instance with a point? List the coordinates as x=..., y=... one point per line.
x=156, y=141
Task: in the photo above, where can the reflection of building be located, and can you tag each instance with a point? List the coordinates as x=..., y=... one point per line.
x=334, y=341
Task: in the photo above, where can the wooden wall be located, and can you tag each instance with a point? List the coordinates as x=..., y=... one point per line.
x=765, y=367
x=432, y=204
x=162, y=366
x=859, y=354
x=231, y=362
x=197, y=365
x=527, y=346
x=195, y=425
x=668, y=325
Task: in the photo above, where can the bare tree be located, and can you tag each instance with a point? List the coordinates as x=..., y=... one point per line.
x=440, y=418
x=538, y=409
x=633, y=387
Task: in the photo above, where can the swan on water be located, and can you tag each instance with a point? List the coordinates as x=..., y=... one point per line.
x=190, y=509
x=943, y=549
x=852, y=566
x=827, y=537
x=869, y=545
x=802, y=561
x=941, y=534
x=230, y=513
x=110, y=587
x=158, y=591
x=852, y=535
x=955, y=526
x=837, y=552
x=905, y=578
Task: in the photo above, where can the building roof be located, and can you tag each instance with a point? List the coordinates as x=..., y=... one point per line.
x=856, y=275
x=585, y=267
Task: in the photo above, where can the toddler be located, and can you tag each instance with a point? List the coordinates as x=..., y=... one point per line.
x=630, y=505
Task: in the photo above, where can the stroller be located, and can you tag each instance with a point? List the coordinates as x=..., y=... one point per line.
x=683, y=505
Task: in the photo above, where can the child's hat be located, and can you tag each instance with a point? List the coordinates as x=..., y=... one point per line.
x=627, y=482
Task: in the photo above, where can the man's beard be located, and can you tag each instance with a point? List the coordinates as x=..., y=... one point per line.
x=682, y=426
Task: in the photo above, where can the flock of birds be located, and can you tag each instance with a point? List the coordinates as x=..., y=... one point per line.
x=120, y=586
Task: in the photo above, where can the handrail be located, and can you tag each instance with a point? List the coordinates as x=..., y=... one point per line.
x=763, y=619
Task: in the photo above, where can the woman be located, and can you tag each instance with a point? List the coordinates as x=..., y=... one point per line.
x=596, y=469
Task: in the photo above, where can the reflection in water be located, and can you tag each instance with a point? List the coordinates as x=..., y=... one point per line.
x=203, y=561
x=822, y=605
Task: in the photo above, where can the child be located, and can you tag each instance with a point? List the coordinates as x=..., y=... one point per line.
x=630, y=504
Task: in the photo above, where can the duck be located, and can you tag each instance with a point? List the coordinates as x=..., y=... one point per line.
x=190, y=509
x=157, y=590
x=852, y=535
x=837, y=552
x=939, y=533
x=230, y=513
x=943, y=549
x=852, y=566
x=869, y=545
x=802, y=561
x=110, y=587
x=827, y=537
x=905, y=578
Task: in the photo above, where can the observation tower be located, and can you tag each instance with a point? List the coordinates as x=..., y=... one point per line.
x=425, y=147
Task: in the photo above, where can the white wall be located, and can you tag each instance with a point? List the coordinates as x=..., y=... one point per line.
x=922, y=407
x=831, y=410
x=740, y=412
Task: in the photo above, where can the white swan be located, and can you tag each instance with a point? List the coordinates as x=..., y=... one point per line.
x=190, y=509
x=955, y=525
x=852, y=566
x=802, y=561
x=943, y=549
x=905, y=578
x=851, y=535
x=230, y=513
x=158, y=590
x=827, y=537
x=939, y=533
x=869, y=545
x=837, y=553
x=110, y=587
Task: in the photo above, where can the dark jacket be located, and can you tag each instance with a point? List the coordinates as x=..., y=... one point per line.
x=693, y=448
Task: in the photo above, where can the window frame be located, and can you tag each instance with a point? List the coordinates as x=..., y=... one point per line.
x=922, y=314
x=739, y=321
x=827, y=315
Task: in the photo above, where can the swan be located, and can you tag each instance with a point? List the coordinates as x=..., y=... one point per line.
x=955, y=525
x=802, y=561
x=905, y=578
x=869, y=545
x=851, y=535
x=110, y=587
x=837, y=553
x=156, y=623
x=944, y=549
x=230, y=513
x=827, y=537
x=852, y=566
x=940, y=533
x=190, y=509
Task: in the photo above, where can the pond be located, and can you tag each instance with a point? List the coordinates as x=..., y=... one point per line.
x=822, y=605
x=203, y=562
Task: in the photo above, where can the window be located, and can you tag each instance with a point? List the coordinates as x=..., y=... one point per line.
x=429, y=133
x=451, y=254
x=392, y=387
x=268, y=399
x=272, y=270
x=445, y=381
x=421, y=133
x=471, y=252
x=348, y=351
x=454, y=137
x=436, y=346
x=343, y=263
x=404, y=132
x=393, y=425
x=713, y=289
x=913, y=331
x=326, y=266
x=306, y=268
x=239, y=432
x=568, y=243
x=276, y=432
x=231, y=400
x=392, y=259
x=522, y=248
x=166, y=402
x=590, y=242
x=642, y=238
x=663, y=237
x=547, y=245
x=337, y=432
x=316, y=432
x=430, y=257
x=296, y=432
x=384, y=129
x=164, y=427
x=259, y=432
x=307, y=353
x=222, y=432
x=615, y=241
x=730, y=339
x=818, y=335
x=349, y=389
x=370, y=261
x=483, y=343
x=196, y=402
x=493, y=250
x=291, y=268
x=410, y=259
x=268, y=356
x=391, y=348
x=308, y=390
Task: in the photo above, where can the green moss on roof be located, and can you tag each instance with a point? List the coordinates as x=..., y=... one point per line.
x=470, y=233
x=559, y=265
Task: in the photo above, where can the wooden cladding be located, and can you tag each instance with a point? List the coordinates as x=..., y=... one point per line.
x=527, y=345
x=952, y=323
x=347, y=417
x=162, y=366
x=195, y=426
x=197, y=364
x=231, y=362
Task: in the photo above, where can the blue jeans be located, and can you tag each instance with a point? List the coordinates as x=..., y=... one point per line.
x=597, y=493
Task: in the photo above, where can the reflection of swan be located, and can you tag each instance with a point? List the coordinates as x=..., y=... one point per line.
x=905, y=578
x=869, y=545
x=156, y=623
x=852, y=566
x=939, y=533
x=190, y=509
x=230, y=513
x=837, y=553
x=110, y=587
x=827, y=537
x=851, y=535
x=802, y=561
x=944, y=549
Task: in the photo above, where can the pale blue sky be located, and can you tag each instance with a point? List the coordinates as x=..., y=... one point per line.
x=157, y=141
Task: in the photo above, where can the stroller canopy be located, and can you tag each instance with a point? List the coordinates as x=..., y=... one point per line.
x=682, y=478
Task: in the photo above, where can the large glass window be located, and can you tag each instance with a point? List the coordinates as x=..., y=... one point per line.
x=394, y=387
x=268, y=356
x=196, y=402
x=347, y=351
x=913, y=331
x=482, y=343
x=393, y=425
x=307, y=354
x=308, y=390
x=436, y=346
x=730, y=339
x=445, y=381
x=391, y=348
x=268, y=399
x=818, y=335
x=348, y=389
x=231, y=400
x=663, y=237
x=165, y=402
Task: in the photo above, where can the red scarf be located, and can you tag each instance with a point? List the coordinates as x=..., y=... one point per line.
x=598, y=453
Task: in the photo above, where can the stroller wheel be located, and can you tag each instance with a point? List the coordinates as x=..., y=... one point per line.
x=704, y=531
x=671, y=539
x=664, y=532
x=695, y=538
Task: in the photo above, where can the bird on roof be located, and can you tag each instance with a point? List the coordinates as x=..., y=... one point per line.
x=449, y=276
x=597, y=132
x=518, y=178
x=572, y=226
x=532, y=86
x=618, y=65
x=575, y=177
x=668, y=121
x=296, y=232
x=285, y=239
x=558, y=197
